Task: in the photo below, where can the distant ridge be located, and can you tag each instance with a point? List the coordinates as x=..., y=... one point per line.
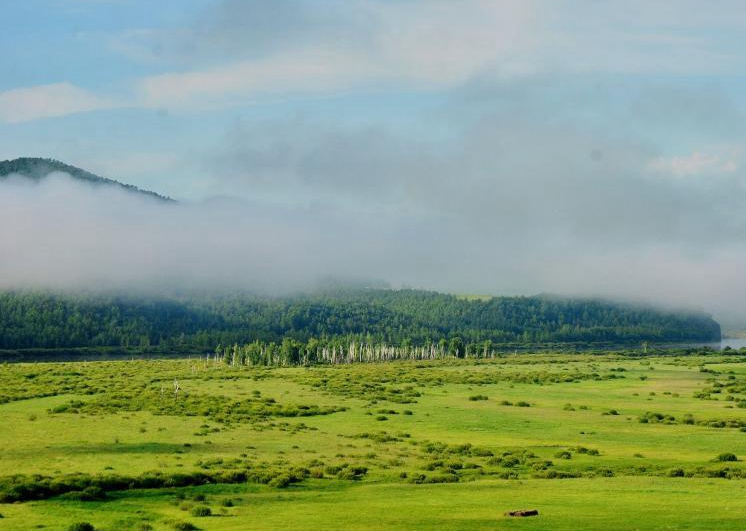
x=38, y=168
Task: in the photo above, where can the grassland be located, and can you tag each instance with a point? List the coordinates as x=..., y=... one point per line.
x=590, y=441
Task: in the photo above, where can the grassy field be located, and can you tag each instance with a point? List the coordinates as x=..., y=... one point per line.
x=590, y=441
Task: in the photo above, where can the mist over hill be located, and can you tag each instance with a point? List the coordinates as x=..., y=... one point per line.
x=37, y=168
x=68, y=231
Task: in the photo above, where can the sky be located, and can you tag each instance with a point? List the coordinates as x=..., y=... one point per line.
x=473, y=146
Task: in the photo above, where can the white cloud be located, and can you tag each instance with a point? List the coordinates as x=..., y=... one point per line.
x=410, y=45
x=48, y=101
x=291, y=73
x=696, y=163
x=245, y=51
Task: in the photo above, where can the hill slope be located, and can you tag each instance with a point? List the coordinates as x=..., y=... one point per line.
x=39, y=168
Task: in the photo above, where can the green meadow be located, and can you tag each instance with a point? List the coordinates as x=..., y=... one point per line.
x=590, y=441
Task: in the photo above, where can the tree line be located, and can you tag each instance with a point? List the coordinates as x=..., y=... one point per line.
x=398, y=318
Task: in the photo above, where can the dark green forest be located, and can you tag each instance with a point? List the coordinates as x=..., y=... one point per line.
x=32, y=319
x=38, y=168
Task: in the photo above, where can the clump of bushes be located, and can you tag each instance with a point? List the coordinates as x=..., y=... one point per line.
x=354, y=473
x=584, y=450
x=92, y=493
x=654, y=418
x=201, y=510
x=475, y=398
x=85, y=487
x=726, y=457
x=557, y=474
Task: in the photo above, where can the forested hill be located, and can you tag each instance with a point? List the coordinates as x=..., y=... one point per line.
x=39, y=168
x=399, y=318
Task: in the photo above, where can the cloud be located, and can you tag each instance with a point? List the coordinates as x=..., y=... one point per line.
x=241, y=52
x=574, y=154
x=696, y=164
x=493, y=238
x=48, y=101
x=525, y=198
x=307, y=72
x=289, y=47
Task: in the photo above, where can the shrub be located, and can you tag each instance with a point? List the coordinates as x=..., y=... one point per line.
x=201, y=510
x=281, y=481
x=726, y=457
x=354, y=473
x=510, y=462
x=564, y=454
x=184, y=526
x=81, y=526
x=475, y=398
x=93, y=493
x=479, y=451
x=588, y=451
x=557, y=474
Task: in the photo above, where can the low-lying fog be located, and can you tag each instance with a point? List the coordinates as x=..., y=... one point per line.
x=661, y=241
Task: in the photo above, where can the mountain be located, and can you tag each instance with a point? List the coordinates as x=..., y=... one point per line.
x=38, y=168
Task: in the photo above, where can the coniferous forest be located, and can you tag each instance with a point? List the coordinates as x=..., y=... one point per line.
x=401, y=318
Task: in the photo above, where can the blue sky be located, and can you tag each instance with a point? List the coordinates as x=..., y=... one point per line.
x=139, y=89
x=511, y=130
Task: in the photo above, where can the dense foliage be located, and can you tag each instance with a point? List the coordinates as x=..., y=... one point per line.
x=38, y=168
x=405, y=318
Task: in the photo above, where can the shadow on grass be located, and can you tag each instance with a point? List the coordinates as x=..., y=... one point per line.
x=110, y=448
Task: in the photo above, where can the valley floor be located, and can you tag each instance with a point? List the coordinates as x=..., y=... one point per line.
x=590, y=441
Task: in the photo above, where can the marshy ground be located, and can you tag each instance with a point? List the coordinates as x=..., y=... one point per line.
x=590, y=441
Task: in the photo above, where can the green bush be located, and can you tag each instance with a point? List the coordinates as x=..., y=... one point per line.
x=352, y=473
x=726, y=457
x=92, y=493
x=201, y=510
